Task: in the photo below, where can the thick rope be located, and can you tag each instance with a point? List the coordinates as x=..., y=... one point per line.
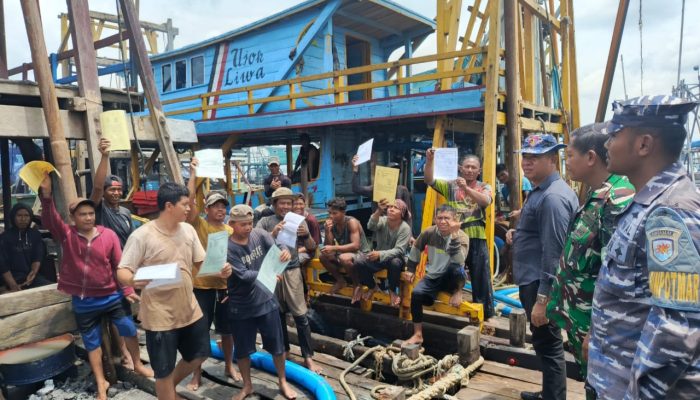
x=357, y=362
x=457, y=375
x=348, y=352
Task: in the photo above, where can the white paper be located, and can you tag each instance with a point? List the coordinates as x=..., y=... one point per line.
x=271, y=267
x=160, y=283
x=364, y=152
x=288, y=235
x=445, y=164
x=162, y=271
x=211, y=163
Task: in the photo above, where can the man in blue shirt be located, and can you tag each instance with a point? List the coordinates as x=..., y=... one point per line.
x=504, y=177
x=537, y=245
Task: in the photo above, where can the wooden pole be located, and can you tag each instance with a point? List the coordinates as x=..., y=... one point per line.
x=155, y=107
x=47, y=91
x=490, y=115
x=612, y=60
x=513, y=129
x=88, y=82
x=3, y=45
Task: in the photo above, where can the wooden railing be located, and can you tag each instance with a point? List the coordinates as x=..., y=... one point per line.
x=337, y=89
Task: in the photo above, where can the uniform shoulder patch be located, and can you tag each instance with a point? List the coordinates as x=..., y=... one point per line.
x=664, y=244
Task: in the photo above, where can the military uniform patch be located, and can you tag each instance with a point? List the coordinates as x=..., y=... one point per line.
x=664, y=244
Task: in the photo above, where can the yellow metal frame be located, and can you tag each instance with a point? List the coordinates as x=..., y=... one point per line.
x=473, y=311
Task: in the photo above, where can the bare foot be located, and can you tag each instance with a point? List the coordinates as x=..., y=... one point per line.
x=143, y=370
x=311, y=366
x=356, y=294
x=127, y=362
x=195, y=382
x=456, y=299
x=339, y=285
x=415, y=339
x=102, y=390
x=233, y=373
x=368, y=295
x=286, y=391
x=245, y=392
x=395, y=299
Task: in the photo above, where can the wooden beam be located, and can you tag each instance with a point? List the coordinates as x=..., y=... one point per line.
x=35, y=325
x=573, y=73
x=88, y=81
x=460, y=125
x=513, y=98
x=143, y=63
x=3, y=43
x=47, y=90
x=493, y=57
x=31, y=299
x=323, y=17
x=541, y=13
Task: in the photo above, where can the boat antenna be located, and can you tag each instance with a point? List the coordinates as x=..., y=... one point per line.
x=641, y=52
x=624, y=80
x=680, y=46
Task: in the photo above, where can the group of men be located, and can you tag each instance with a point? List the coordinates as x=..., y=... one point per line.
x=619, y=272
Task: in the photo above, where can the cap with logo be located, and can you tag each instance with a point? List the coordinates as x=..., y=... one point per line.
x=241, y=212
x=113, y=180
x=540, y=143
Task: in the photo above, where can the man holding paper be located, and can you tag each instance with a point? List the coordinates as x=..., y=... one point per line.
x=90, y=257
x=210, y=289
x=252, y=306
x=470, y=198
x=402, y=191
x=290, y=292
x=169, y=313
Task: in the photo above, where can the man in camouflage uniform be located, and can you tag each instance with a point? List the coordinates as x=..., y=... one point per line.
x=645, y=326
x=589, y=232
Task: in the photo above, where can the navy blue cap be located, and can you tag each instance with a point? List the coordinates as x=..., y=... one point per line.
x=540, y=143
x=649, y=111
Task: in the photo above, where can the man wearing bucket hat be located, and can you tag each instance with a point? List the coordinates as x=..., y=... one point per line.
x=210, y=290
x=537, y=245
x=290, y=291
x=251, y=307
x=645, y=325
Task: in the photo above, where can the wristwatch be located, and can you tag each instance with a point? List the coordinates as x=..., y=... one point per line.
x=542, y=299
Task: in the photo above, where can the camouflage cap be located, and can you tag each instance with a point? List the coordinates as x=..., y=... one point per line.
x=215, y=196
x=650, y=111
x=540, y=143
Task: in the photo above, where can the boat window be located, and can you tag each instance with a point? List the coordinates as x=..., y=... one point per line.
x=180, y=74
x=167, y=78
x=197, y=70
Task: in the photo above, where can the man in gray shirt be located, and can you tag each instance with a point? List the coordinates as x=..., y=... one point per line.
x=537, y=246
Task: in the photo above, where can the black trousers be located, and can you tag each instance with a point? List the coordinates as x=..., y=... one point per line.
x=480, y=275
x=426, y=291
x=549, y=347
x=367, y=269
x=303, y=333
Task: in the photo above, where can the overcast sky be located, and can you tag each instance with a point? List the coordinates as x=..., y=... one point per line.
x=202, y=19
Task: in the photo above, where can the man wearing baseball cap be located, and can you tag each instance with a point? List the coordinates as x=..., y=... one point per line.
x=210, y=290
x=537, y=243
x=276, y=179
x=91, y=254
x=251, y=307
x=645, y=324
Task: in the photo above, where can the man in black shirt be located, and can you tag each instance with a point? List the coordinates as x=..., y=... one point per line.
x=21, y=251
x=276, y=179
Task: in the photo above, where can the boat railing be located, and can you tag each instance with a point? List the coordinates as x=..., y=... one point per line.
x=338, y=89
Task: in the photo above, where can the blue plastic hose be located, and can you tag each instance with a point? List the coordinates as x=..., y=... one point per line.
x=310, y=381
x=502, y=297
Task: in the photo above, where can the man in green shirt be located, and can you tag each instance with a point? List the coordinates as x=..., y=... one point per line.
x=470, y=198
x=589, y=233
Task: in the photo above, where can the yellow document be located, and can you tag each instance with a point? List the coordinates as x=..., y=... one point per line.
x=386, y=181
x=114, y=128
x=33, y=173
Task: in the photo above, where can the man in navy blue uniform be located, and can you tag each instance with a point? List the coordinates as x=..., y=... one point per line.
x=645, y=325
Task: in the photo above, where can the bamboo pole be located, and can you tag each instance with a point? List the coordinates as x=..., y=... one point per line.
x=47, y=91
